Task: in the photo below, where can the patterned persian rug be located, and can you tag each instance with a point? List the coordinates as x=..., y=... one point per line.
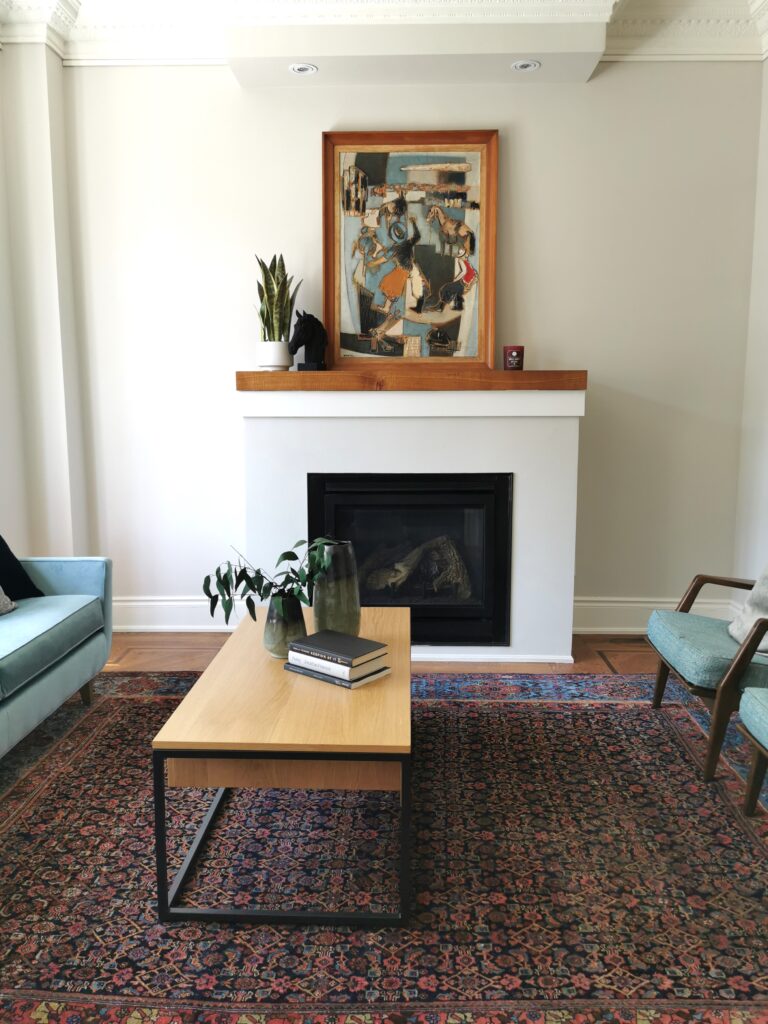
x=570, y=868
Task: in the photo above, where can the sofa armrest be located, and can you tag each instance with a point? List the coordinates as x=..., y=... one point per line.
x=75, y=576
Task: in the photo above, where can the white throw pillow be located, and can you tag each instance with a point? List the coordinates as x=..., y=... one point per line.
x=755, y=607
x=6, y=604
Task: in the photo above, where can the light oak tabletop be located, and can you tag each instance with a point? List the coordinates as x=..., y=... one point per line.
x=245, y=700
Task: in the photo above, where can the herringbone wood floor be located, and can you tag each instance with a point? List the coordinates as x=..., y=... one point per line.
x=177, y=652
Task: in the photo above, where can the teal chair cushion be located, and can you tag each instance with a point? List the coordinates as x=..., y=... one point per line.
x=700, y=649
x=40, y=632
x=754, y=713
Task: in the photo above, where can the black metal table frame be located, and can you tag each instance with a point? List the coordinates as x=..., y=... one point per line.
x=168, y=896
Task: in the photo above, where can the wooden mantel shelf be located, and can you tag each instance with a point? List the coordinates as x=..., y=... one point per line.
x=413, y=379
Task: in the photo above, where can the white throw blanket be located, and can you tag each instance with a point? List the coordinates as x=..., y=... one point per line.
x=755, y=607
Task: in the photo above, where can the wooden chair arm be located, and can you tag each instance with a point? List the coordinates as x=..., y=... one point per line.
x=743, y=657
x=699, y=581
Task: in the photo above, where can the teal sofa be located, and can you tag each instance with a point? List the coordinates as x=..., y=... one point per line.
x=53, y=646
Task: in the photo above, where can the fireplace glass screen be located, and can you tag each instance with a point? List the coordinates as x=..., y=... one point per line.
x=438, y=544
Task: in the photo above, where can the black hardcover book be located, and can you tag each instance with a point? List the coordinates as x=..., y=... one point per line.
x=339, y=647
x=344, y=683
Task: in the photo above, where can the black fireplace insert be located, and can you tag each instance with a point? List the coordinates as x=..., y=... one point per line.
x=437, y=543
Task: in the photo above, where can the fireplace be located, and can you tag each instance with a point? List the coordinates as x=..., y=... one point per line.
x=438, y=543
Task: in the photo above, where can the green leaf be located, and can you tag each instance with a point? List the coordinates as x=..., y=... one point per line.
x=220, y=588
x=299, y=543
x=287, y=556
x=293, y=303
x=227, y=604
x=279, y=310
x=250, y=604
x=213, y=603
x=207, y=587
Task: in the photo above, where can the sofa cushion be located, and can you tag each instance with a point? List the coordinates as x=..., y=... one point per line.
x=700, y=649
x=40, y=632
x=753, y=711
x=13, y=577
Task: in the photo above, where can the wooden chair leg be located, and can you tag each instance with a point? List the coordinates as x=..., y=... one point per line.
x=755, y=782
x=724, y=706
x=661, y=684
x=86, y=693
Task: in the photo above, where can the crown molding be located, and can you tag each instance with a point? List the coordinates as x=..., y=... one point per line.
x=131, y=32
x=759, y=11
x=49, y=22
x=60, y=15
x=684, y=30
x=99, y=15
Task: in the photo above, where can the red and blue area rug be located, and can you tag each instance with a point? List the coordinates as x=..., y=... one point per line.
x=570, y=868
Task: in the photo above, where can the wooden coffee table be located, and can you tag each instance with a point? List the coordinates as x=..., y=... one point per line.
x=247, y=723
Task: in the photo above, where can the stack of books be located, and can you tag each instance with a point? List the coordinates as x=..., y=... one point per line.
x=338, y=658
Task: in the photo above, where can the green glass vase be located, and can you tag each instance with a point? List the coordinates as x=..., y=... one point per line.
x=283, y=626
x=336, y=597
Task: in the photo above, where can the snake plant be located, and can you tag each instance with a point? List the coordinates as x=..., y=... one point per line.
x=277, y=300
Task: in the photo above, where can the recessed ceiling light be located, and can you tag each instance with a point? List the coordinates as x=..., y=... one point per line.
x=526, y=65
x=303, y=69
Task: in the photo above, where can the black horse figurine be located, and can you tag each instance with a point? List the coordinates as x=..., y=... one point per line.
x=310, y=333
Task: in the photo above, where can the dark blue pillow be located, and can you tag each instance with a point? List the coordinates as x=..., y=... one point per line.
x=13, y=578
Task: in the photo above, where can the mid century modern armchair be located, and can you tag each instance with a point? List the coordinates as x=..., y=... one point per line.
x=707, y=660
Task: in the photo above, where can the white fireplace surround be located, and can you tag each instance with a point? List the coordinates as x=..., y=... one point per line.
x=532, y=434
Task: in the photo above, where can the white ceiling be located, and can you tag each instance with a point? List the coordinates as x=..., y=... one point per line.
x=207, y=31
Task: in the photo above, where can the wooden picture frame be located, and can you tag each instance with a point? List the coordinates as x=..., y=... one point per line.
x=409, y=248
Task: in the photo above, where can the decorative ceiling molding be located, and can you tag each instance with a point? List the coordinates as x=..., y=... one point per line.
x=60, y=15
x=197, y=31
x=759, y=10
x=38, y=21
x=684, y=30
x=136, y=13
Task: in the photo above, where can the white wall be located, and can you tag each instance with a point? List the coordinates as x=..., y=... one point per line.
x=752, y=525
x=13, y=498
x=626, y=214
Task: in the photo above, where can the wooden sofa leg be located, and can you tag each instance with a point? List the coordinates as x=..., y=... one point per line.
x=86, y=693
x=755, y=782
x=661, y=683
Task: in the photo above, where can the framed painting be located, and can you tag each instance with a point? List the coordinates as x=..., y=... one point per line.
x=409, y=247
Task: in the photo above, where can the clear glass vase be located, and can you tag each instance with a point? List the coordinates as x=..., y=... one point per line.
x=336, y=598
x=284, y=626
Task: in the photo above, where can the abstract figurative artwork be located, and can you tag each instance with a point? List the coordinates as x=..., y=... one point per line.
x=409, y=246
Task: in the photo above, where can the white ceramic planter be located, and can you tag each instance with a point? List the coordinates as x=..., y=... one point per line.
x=273, y=355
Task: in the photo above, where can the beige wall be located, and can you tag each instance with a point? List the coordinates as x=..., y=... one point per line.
x=625, y=212
x=13, y=498
x=626, y=218
x=752, y=522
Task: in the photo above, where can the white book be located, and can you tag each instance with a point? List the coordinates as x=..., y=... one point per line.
x=330, y=668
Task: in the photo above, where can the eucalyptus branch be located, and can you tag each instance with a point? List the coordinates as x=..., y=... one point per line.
x=229, y=583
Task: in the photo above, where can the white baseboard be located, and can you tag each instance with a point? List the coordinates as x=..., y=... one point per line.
x=167, y=615
x=484, y=655
x=591, y=615
x=630, y=614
